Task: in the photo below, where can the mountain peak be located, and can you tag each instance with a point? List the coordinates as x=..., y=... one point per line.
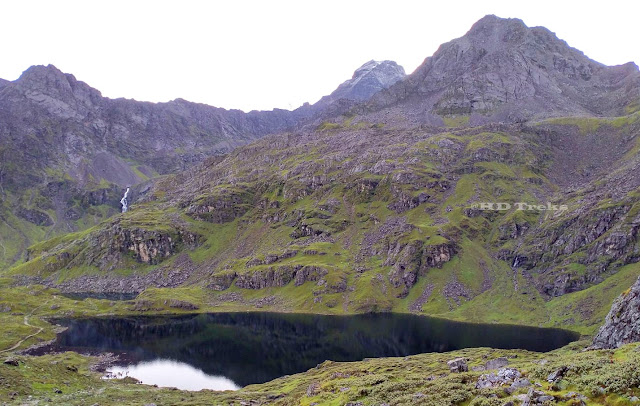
x=46, y=84
x=491, y=22
x=38, y=73
x=367, y=80
x=503, y=70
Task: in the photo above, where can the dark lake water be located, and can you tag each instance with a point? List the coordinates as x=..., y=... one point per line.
x=230, y=350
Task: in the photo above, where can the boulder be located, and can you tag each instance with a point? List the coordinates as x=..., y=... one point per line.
x=557, y=374
x=458, y=365
x=12, y=361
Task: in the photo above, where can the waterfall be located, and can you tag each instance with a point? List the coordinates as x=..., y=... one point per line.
x=516, y=261
x=124, y=202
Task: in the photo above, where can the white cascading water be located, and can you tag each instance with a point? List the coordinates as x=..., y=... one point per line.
x=124, y=202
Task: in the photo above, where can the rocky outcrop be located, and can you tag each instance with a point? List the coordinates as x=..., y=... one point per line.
x=222, y=207
x=458, y=365
x=309, y=273
x=277, y=276
x=406, y=202
x=408, y=260
x=273, y=276
x=271, y=258
x=622, y=325
x=34, y=216
x=599, y=239
x=504, y=376
x=150, y=246
x=107, y=248
x=222, y=280
x=304, y=230
x=537, y=397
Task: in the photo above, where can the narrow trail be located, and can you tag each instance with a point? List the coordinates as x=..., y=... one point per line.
x=26, y=323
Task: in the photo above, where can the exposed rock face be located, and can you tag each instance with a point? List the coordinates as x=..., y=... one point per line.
x=409, y=260
x=149, y=246
x=309, y=273
x=622, y=325
x=107, y=248
x=222, y=207
x=270, y=277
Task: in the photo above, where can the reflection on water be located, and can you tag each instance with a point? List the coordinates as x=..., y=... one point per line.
x=172, y=374
x=258, y=347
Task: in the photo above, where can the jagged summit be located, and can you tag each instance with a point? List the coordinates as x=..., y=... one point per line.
x=61, y=93
x=370, y=78
x=502, y=70
x=367, y=80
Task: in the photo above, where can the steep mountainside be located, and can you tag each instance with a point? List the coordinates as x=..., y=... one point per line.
x=67, y=153
x=388, y=206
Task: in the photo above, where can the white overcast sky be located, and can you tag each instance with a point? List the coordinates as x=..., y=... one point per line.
x=265, y=54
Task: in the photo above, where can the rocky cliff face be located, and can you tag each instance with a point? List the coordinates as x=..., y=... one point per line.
x=622, y=325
